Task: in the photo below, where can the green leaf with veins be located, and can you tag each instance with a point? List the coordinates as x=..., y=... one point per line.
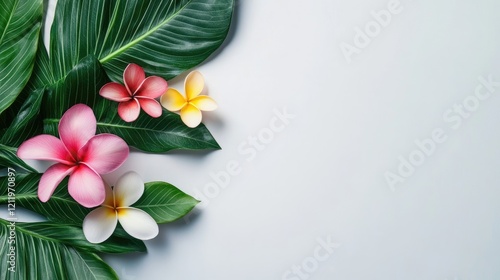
x=164, y=202
x=45, y=251
x=20, y=22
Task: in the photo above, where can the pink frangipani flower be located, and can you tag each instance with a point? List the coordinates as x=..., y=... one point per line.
x=79, y=153
x=138, y=92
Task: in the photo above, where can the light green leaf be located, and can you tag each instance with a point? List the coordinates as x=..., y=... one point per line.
x=20, y=22
x=43, y=251
x=164, y=202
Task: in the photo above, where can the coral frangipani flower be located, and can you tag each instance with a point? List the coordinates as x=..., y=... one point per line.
x=190, y=107
x=79, y=153
x=138, y=92
x=100, y=224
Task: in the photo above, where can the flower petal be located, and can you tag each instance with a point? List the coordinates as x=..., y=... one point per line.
x=86, y=187
x=115, y=91
x=76, y=127
x=128, y=189
x=191, y=115
x=173, y=100
x=104, y=153
x=100, y=224
x=194, y=84
x=45, y=147
x=109, y=200
x=150, y=106
x=129, y=110
x=138, y=223
x=204, y=103
x=152, y=87
x=133, y=76
x=51, y=179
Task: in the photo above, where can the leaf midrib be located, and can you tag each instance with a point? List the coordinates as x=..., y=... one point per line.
x=31, y=233
x=142, y=37
x=161, y=205
x=35, y=196
x=12, y=149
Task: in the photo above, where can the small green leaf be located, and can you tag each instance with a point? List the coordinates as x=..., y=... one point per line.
x=42, y=251
x=164, y=202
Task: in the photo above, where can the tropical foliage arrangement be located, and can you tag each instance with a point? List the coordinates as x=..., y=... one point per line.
x=81, y=103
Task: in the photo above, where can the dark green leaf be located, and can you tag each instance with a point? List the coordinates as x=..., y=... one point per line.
x=39, y=79
x=27, y=123
x=61, y=207
x=42, y=252
x=81, y=85
x=164, y=202
x=20, y=22
x=8, y=158
x=164, y=37
x=157, y=135
x=73, y=236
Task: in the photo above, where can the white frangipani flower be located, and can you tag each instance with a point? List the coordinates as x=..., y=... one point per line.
x=100, y=224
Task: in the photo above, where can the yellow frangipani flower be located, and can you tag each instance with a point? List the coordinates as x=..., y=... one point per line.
x=190, y=107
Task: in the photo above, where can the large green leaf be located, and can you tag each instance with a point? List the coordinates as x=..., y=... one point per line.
x=61, y=207
x=40, y=78
x=164, y=37
x=20, y=22
x=8, y=158
x=26, y=123
x=148, y=134
x=162, y=134
x=44, y=251
x=164, y=202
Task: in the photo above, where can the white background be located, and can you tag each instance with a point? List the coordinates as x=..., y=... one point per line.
x=323, y=175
